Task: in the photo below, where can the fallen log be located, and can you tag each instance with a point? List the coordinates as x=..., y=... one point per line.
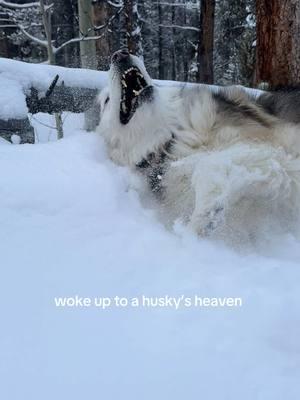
x=61, y=98
x=72, y=90
x=57, y=99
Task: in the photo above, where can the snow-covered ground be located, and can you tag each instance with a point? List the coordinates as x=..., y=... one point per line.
x=72, y=224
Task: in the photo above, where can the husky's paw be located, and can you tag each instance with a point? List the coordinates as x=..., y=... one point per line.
x=209, y=221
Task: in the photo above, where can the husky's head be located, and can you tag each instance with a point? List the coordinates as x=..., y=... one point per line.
x=130, y=85
x=131, y=118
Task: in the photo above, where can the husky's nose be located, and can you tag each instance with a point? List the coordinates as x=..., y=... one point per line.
x=120, y=55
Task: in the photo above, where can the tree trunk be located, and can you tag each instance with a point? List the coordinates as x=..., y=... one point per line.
x=4, y=48
x=46, y=16
x=166, y=41
x=133, y=30
x=87, y=47
x=206, y=42
x=63, y=30
x=160, y=44
x=150, y=34
x=47, y=26
x=87, y=51
x=101, y=14
x=278, y=44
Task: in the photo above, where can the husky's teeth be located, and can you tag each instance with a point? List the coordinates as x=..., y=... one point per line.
x=130, y=69
x=136, y=92
x=124, y=83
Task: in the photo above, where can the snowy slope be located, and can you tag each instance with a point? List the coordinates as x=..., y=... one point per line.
x=71, y=223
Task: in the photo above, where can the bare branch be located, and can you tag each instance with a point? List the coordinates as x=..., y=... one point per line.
x=9, y=26
x=76, y=40
x=94, y=28
x=33, y=38
x=52, y=50
x=7, y=4
x=109, y=21
x=186, y=28
x=117, y=5
x=189, y=6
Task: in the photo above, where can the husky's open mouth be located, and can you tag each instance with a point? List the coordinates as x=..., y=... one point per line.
x=134, y=88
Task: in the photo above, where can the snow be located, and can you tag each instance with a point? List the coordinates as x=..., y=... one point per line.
x=72, y=223
x=41, y=75
x=9, y=106
x=14, y=5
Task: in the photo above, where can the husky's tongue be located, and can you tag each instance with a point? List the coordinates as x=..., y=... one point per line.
x=133, y=85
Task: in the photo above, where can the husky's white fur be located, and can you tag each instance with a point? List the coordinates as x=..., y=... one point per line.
x=231, y=172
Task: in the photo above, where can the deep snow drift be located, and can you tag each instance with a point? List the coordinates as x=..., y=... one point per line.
x=72, y=223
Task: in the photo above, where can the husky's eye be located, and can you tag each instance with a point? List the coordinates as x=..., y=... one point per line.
x=106, y=101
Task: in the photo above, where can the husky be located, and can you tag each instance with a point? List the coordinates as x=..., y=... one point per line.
x=221, y=161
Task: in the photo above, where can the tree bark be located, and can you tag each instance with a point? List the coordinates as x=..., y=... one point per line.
x=46, y=16
x=278, y=44
x=47, y=27
x=160, y=44
x=87, y=50
x=206, y=42
x=63, y=28
x=166, y=40
x=133, y=30
x=87, y=47
x=62, y=98
x=101, y=14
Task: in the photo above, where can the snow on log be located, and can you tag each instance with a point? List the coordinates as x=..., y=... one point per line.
x=32, y=88
x=26, y=88
x=61, y=98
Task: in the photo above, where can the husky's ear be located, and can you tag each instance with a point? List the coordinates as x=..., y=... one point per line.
x=103, y=99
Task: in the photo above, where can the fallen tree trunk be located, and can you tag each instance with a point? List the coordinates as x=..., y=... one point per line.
x=57, y=99
x=46, y=89
x=61, y=98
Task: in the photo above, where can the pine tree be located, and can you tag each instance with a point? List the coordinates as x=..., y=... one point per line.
x=234, y=42
x=278, y=44
x=64, y=28
x=87, y=48
x=206, y=42
x=149, y=17
x=132, y=30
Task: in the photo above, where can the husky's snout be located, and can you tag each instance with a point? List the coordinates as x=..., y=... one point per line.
x=133, y=82
x=120, y=55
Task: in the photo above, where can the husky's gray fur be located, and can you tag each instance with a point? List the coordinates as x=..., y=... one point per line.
x=220, y=161
x=284, y=103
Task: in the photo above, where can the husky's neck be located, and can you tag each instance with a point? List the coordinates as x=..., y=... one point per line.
x=147, y=132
